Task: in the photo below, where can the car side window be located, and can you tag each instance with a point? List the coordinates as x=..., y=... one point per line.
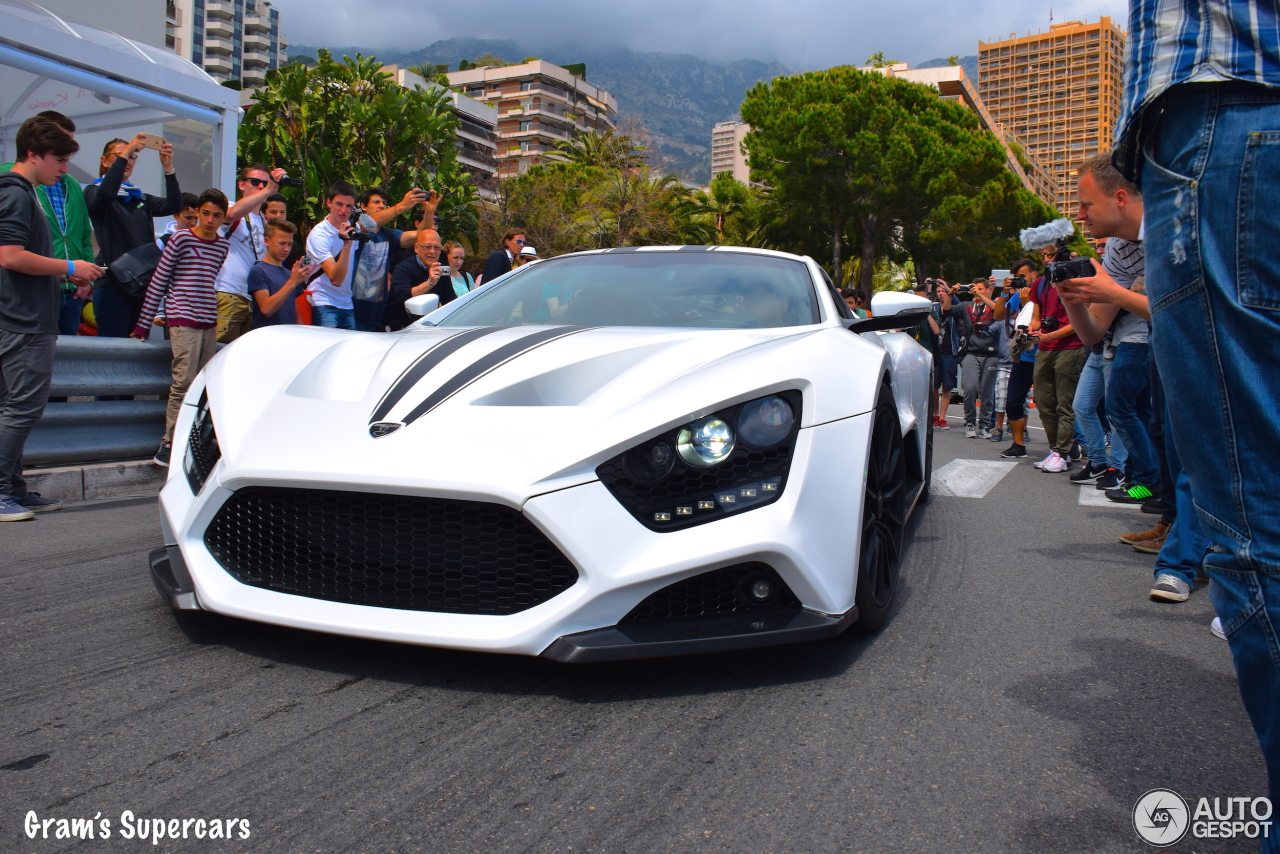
x=842, y=307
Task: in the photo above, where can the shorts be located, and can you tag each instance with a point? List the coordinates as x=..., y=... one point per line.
x=950, y=372
x=1002, y=386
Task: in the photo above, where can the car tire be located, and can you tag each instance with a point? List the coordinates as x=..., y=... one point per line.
x=884, y=516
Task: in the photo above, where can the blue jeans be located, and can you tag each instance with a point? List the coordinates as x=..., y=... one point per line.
x=1183, y=550
x=69, y=309
x=1129, y=411
x=1089, y=393
x=333, y=318
x=368, y=314
x=1210, y=181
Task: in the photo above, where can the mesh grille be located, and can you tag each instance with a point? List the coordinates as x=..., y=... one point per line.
x=202, y=446
x=718, y=593
x=389, y=551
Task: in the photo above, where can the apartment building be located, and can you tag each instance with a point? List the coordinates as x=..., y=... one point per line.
x=1058, y=91
x=229, y=39
x=538, y=105
x=477, y=141
x=727, y=154
x=954, y=85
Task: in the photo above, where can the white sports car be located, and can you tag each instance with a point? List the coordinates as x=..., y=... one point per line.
x=613, y=454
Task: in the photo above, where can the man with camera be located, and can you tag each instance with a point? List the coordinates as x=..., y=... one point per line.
x=371, y=280
x=330, y=244
x=421, y=274
x=953, y=327
x=981, y=356
x=1059, y=361
x=245, y=231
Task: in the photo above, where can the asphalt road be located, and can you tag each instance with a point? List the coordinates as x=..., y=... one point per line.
x=1023, y=696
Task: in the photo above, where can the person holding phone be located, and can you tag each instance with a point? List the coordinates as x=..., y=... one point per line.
x=121, y=214
x=370, y=283
x=273, y=286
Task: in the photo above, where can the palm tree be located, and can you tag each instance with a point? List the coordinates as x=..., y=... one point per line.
x=604, y=148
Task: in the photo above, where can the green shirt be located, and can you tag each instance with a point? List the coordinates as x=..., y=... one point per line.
x=76, y=243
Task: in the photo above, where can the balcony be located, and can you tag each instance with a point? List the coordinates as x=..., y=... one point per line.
x=257, y=24
x=256, y=58
x=253, y=77
x=213, y=44
x=219, y=9
x=256, y=41
x=219, y=27
x=217, y=64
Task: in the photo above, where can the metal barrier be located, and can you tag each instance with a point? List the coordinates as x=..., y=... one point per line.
x=100, y=430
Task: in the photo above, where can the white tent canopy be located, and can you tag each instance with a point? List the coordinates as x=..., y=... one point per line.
x=113, y=87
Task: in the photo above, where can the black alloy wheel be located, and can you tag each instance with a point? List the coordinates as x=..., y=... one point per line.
x=884, y=516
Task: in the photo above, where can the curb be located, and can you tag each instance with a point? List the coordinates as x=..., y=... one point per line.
x=99, y=480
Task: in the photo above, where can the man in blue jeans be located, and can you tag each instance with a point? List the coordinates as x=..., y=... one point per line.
x=1199, y=132
x=330, y=245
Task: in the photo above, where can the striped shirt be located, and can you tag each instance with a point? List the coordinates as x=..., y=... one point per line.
x=1190, y=41
x=1126, y=262
x=184, y=280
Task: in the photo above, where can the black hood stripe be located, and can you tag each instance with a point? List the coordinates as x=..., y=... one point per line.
x=488, y=363
x=425, y=363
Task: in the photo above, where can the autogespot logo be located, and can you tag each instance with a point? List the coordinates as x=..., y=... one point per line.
x=1160, y=817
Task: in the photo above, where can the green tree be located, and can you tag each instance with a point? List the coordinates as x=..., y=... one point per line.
x=878, y=60
x=882, y=163
x=349, y=121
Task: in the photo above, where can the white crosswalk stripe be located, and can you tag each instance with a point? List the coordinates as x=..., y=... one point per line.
x=969, y=478
x=1093, y=497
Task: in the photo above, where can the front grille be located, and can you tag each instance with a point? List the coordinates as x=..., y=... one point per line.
x=718, y=593
x=388, y=551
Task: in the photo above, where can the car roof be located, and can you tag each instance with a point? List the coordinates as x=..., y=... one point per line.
x=734, y=250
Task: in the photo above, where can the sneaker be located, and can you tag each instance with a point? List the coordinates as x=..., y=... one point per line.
x=162, y=455
x=942, y=423
x=1014, y=450
x=1077, y=451
x=1151, y=547
x=996, y=436
x=1215, y=628
x=937, y=421
x=32, y=501
x=1113, y=479
x=1055, y=464
x=1159, y=531
x=1088, y=474
x=1135, y=494
x=1156, y=507
x=1171, y=588
x=12, y=511
x=1040, y=465
x=969, y=431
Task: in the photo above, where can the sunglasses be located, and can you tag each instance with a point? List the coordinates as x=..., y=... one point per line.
x=519, y=243
x=258, y=182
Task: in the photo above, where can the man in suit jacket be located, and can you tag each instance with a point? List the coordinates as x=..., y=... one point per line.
x=499, y=262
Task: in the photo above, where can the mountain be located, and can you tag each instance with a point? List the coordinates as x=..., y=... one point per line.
x=968, y=63
x=676, y=97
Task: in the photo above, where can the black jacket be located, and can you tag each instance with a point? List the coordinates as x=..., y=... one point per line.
x=120, y=227
x=28, y=304
x=408, y=276
x=497, y=264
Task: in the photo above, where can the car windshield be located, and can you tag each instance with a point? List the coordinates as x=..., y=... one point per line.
x=717, y=290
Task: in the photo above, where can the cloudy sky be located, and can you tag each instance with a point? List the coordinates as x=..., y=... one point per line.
x=803, y=34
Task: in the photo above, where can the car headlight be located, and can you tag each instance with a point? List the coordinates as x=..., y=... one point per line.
x=203, y=451
x=766, y=421
x=721, y=464
x=705, y=442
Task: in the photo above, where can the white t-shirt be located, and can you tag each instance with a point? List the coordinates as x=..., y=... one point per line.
x=1125, y=261
x=324, y=243
x=248, y=247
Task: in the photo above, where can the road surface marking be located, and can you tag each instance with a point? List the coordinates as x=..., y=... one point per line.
x=969, y=478
x=1093, y=497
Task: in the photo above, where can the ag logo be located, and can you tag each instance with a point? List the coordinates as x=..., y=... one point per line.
x=1160, y=817
x=384, y=428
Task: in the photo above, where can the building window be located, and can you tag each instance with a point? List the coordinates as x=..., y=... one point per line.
x=524, y=126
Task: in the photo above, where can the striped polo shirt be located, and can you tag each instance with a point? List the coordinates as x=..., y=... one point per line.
x=184, y=280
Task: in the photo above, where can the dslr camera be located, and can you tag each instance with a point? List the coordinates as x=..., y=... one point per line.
x=1057, y=233
x=360, y=220
x=1064, y=267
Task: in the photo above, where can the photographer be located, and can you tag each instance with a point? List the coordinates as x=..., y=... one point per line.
x=245, y=230
x=1011, y=306
x=370, y=283
x=330, y=245
x=121, y=215
x=953, y=329
x=1058, y=365
x=422, y=274
x=978, y=365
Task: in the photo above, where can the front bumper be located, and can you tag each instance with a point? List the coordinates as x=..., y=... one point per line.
x=808, y=536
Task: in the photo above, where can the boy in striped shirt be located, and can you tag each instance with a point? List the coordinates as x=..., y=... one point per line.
x=184, y=280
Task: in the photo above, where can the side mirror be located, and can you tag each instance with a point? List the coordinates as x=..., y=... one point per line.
x=423, y=305
x=893, y=310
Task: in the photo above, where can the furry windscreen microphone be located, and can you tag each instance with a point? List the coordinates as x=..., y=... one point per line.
x=1046, y=235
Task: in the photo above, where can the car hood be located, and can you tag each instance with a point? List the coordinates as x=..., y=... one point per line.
x=505, y=413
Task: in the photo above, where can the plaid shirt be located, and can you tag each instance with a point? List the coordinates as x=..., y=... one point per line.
x=57, y=193
x=1190, y=41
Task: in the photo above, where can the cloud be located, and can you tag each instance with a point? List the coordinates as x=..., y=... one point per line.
x=803, y=34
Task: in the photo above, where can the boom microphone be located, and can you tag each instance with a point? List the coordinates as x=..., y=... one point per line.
x=1049, y=234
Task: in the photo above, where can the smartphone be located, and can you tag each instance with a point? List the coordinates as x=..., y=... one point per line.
x=150, y=140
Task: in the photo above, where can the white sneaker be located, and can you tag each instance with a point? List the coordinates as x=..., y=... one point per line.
x=969, y=432
x=1216, y=628
x=1041, y=464
x=984, y=433
x=1055, y=464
